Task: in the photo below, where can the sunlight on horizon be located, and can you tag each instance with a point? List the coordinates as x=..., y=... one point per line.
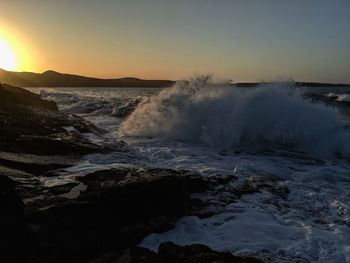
x=14, y=52
x=8, y=60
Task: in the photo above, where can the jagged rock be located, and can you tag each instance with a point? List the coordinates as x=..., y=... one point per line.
x=126, y=109
x=224, y=190
x=31, y=124
x=11, y=96
x=100, y=215
x=105, y=211
x=35, y=164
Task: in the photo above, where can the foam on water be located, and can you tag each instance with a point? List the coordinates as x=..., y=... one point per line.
x=221, y=116
x=311, y=225
x=339, y=97
x=344, y=97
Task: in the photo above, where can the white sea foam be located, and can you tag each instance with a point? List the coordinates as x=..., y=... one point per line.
x=221, y=116
x=310, y=225
x=344, y=97
x=339, y=97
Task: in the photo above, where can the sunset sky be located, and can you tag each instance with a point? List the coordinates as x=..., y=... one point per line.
x=245, y=40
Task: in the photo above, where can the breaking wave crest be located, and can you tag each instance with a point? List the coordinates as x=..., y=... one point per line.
x=219, y=115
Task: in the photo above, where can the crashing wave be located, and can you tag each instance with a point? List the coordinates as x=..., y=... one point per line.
x=344, y=98
x=219, y=115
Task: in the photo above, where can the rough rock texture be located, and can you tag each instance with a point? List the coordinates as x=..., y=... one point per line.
x=104, y=211
x=11, y=96
x=99, y=216
x=126, y=109
x=224, y=190
x=172, y=253
x=33, y=125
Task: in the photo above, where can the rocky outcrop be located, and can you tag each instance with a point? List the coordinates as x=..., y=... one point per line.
x=224, y=190
x=32, y=125
x=98, y=216
x=104, y=211
x=11, y=97
x=102, y=216
x=126, y=109
x=172, y=253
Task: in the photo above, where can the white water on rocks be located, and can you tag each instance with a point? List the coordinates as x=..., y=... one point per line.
x=216, y=129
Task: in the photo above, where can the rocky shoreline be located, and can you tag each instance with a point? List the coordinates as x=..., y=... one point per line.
x=101, y=216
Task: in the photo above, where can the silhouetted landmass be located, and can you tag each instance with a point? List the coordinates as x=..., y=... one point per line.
x=52, y=78
x=55, y=79
x=297, y=83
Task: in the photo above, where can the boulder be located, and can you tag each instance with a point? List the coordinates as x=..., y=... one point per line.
x=31, y=124
x=11, y=96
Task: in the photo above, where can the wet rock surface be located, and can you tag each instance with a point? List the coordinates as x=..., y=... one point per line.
x=127, y=108
x=103, y=211
x=36, y=164
x=224, y=190
x=99, y=215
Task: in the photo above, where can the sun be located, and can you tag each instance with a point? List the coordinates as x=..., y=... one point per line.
x=8, y=60
x=16, y=51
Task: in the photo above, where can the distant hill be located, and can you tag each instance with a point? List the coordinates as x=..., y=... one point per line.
x=52, y=78
x=297, y=83
x=55, y=79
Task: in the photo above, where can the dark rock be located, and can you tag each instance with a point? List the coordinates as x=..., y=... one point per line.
x=106, y=211
x=102, y=214
x=11, y=96
x=126, y=109
x=59, y=143
x=32, y=125
x=12, y=227
x=224, y=190
x=172, y=253
x=254, y=184
x=36, y=164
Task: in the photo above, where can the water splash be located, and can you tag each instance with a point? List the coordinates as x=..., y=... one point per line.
x=221, y=116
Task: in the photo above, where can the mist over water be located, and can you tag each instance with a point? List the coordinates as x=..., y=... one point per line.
x=218, y=115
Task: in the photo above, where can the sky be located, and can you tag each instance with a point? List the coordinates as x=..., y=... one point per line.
x=242, y=40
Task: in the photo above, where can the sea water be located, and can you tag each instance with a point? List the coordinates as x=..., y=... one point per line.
x=216, y=129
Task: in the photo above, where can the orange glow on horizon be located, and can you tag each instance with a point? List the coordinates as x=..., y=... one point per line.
x=15, y=53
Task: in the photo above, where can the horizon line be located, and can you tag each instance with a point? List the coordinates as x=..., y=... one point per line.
x=161, y=79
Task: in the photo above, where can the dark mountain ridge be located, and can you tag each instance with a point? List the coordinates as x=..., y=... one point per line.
x=297, y=83
x=52, y=78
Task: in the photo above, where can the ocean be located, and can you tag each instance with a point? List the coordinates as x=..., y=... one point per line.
x=300, y=137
